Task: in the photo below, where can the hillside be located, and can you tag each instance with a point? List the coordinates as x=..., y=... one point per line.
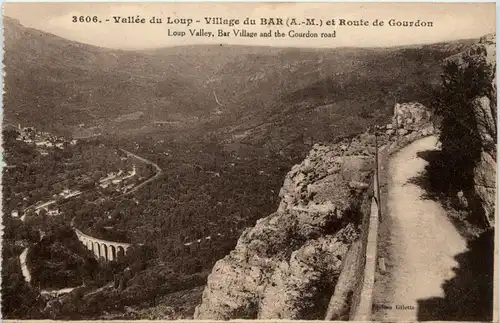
x=53, y=82
x=59, y=84
x=223, y=163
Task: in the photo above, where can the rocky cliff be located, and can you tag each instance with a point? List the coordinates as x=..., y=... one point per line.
x=308, y=255
x=410, y=116
x=287, y=265
x=483, y=106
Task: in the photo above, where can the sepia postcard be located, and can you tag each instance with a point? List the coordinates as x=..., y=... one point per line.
x=249, y=161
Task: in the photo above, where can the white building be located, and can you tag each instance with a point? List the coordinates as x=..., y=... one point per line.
x=53, y=212
x=44, y=143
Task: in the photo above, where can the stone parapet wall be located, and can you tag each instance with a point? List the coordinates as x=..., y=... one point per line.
x=362, y=298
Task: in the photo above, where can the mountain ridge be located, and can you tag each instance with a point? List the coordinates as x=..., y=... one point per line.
x=224, y=125
x=167, y=84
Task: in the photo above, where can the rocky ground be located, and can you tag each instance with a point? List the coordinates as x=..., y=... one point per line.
x=485, y=112
x=288, y=264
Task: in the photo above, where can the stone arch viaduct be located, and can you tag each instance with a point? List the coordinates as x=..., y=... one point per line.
x=107, y=250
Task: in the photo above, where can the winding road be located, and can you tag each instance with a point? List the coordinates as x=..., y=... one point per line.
x=23, y=256
x=423, y=241
x=147, y=161
x=24, y=267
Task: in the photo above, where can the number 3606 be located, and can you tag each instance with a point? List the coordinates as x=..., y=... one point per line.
x=85, y=19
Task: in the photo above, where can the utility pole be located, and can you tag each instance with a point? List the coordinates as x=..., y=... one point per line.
x=377, y=177
x=397, y=123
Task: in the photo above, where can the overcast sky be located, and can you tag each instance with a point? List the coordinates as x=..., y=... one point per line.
x=451, y=21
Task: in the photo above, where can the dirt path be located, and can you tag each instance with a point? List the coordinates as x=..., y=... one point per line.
x=423, y=241
x=147, y=161
x=24, y=267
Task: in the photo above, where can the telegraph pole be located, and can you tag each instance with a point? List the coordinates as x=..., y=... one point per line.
x=377, y=177
x=397, y=123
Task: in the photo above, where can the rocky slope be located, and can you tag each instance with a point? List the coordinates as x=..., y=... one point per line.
x=287, y=265
x=484, y=108
x=290, y=263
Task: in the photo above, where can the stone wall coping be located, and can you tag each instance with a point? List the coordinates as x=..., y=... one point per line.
x=363, y=311
x=100, y=241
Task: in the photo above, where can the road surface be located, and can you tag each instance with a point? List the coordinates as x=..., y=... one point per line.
x=24, y=267
x=423, y=243
x=147, y=161
x=58, y=292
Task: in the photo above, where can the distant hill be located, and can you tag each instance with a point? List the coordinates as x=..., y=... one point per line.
x=52, y=82
x=235, y=91
x=225, y=124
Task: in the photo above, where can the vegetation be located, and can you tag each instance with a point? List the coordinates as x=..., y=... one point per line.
x=459, y=132
x=220, y=171
x=256, y=85
x=33, y=178
x=19, y=299
x=59, y=260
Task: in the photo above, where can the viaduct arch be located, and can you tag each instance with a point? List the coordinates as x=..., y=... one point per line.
x=107, y=250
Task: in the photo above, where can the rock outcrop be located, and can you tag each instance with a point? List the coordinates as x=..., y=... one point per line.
x=410, y=116
x=288, y=264
x=485, y=112
x=299, y=261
